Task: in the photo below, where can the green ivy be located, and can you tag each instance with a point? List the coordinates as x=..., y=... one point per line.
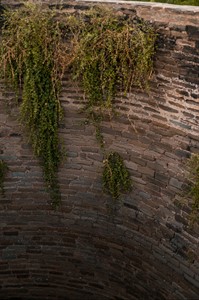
x=107, y=52
x=116, y=178
x=193, y=166
x=31, y=58
x=112, y=53
x=3, y=171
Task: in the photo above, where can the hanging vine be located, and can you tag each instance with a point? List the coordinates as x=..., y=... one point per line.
x=193, y=166
x=112, y=54
x=116, y=178
x=33, y=58
x=3, y=171
x=107, y=53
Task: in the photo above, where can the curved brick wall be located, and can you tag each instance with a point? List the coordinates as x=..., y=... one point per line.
x=145, y=248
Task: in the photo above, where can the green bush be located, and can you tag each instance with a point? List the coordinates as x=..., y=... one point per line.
x=107, y=53
x=116, y=178
x=31, y=59
x=112, y=53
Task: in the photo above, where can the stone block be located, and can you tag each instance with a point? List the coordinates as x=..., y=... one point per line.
x=175, y=183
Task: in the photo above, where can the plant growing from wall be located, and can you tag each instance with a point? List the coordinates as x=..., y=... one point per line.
x=116, y=178
x=112, y=54
x=3, y=171
x=193, y=166
x=33, y=58
x=108, y=53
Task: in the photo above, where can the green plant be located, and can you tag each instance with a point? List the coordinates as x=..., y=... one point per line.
x=108, y=53
x=112, y=53
x=3, y=171
x=33, y=57
x=116, y=178
x=193, y=166
x=178, y=2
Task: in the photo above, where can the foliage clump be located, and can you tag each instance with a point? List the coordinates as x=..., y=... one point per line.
x=193, y=165
x=107, y=52
x=116, y=178
x=32, y=57
x=112, y=53
x=3, y=171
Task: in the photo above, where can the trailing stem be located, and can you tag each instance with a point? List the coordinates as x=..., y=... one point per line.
x=193, y=165
x=31, y=57
x=3, y=171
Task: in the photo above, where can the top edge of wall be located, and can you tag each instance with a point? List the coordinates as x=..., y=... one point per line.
x=180, y=8
x=146, y=4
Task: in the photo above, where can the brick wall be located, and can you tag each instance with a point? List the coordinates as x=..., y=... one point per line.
x=146, y=249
